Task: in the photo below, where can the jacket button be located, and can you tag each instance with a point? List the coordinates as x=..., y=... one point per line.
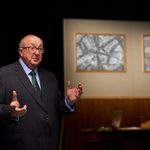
x=47, y=118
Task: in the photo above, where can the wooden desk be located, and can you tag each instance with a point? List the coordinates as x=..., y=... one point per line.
x=120, y=139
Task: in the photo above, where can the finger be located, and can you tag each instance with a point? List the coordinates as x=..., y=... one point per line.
x=80, y=89
x=25, y=107
x=14, y=96
x=79, y=85
x=22, y=109
x=68, y=84
x=21, y=112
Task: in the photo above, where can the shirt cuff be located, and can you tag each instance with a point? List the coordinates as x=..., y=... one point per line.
x=71, y=107
x=16, y=119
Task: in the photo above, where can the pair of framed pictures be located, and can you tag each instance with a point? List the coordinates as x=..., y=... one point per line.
x=105, y=52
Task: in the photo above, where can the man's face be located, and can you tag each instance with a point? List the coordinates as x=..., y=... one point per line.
x=32, y=51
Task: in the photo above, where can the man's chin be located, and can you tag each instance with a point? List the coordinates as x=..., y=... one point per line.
x=36, y=61
x=35, y=64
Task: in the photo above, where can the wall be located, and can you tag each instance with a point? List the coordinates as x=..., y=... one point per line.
x=134, y=82
x=105, y=92
x=95, y=113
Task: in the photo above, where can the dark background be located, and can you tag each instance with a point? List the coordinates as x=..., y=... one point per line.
x=45, y=19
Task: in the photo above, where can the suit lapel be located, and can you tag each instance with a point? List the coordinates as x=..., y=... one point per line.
x=43, y=90
x=27, y=84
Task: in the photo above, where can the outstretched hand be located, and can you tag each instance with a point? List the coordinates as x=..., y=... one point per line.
x=74, y=93
x=16, y=110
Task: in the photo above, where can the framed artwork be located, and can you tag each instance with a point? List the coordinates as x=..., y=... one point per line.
x=100, y=52
x=146, y=52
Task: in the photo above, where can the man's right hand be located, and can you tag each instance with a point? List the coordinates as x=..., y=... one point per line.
x=15, y=109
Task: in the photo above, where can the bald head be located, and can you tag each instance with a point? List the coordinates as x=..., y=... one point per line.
x=30, y=48
x=30, y=40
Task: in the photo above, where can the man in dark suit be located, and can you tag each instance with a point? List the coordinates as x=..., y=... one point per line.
x=29, y=120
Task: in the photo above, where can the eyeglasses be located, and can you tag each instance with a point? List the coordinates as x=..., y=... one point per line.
x=34, y=49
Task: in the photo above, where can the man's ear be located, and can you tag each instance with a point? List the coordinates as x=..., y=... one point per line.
x=20, y=51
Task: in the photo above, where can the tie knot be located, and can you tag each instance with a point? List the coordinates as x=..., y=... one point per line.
x=32, y=73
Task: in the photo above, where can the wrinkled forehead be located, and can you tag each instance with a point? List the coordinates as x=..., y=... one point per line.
x=32, y=40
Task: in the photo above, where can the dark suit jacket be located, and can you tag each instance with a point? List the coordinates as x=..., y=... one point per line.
x=38, y=128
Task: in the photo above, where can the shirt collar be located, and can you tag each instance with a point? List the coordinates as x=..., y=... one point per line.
x=25, y=67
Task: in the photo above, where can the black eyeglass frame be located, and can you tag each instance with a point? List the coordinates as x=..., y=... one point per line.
x=33, y=49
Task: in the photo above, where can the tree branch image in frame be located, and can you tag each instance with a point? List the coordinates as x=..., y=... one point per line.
x=146, y=53
x=100, y=52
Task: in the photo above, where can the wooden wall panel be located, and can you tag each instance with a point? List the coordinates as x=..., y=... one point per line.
x=97, y=112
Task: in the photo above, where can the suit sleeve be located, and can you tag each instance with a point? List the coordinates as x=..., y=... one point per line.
x=4, y=108
x=63, y=107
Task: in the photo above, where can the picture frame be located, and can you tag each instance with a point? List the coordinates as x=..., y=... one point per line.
x=100, y=52
x=146, y=52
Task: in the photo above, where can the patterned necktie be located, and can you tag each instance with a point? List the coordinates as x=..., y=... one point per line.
x=35, y=83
